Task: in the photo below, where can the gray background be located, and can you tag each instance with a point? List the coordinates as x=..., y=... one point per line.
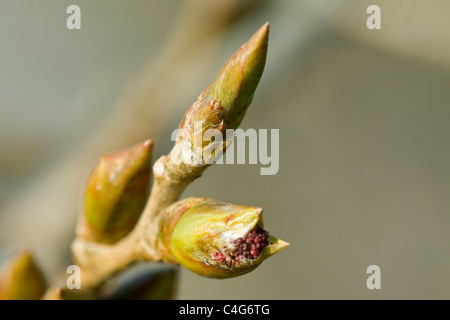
x=363, y=118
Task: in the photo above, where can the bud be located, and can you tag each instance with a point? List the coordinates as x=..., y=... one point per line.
x=220, y=240
x=222, y=105
x=116, y=193
x=21, y=279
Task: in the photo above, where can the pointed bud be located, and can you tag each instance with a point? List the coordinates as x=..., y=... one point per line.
x=221, y=240
x=237, y=81
x=116, y=193
x=21, y=279
x=63, y=293
x=223, y=104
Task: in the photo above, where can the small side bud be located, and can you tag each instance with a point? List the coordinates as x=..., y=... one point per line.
x=21, y=279
x=115, y=194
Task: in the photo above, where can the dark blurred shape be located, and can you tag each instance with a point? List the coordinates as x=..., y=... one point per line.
x=145, y=281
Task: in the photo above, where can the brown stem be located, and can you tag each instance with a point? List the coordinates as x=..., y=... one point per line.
x=99, y=261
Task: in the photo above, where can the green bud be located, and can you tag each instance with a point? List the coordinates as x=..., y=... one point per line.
x=237, y=81
x=221, y=240
x=21, y=279
x=116, y=193
x=222, y=105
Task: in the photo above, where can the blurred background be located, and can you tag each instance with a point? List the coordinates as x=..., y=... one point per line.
x=363, y=116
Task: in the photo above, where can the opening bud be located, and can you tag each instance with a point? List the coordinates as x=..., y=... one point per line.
x=221, y=240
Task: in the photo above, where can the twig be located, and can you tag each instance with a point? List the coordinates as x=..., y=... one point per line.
x=222, y=105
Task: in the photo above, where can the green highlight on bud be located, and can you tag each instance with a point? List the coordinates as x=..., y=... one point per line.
x=21, y=279
x=115, y=194
x=221, y=240
x=237, y=81
x=222, y=105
